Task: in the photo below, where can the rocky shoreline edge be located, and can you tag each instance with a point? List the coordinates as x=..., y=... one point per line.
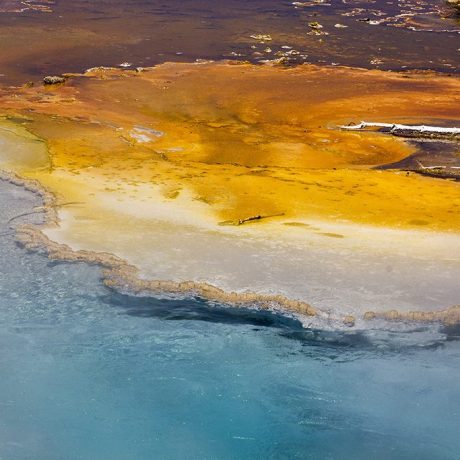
x=119, y=275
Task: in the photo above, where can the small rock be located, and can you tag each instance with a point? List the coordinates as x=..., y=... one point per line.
x=316, y=29
x=53, y=80
x=262, y=37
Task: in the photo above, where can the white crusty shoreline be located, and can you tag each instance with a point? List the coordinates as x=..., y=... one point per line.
x=120, y=275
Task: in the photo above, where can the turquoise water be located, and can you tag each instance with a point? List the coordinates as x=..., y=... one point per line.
x=87, y=373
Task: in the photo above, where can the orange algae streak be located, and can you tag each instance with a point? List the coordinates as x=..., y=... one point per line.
x=239, y=142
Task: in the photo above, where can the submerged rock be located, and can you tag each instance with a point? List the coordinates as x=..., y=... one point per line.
x=262, y=37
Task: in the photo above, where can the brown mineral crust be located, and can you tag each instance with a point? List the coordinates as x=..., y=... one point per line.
x=369, y=315
x=448, y=316
x=119, y=277
x=35, y=187
x=349, y=320
x=120, y=274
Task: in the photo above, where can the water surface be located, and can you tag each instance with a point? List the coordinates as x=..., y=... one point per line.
x=43, y=37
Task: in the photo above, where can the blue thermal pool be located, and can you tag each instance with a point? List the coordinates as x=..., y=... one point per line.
x=88, y=373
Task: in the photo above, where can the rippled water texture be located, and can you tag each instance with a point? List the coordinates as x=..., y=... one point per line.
x=90, y=374
x=39, y=37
